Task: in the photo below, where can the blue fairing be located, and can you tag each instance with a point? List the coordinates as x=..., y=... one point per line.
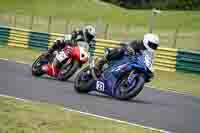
x=107, y=82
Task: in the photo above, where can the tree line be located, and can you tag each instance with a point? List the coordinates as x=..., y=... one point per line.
x=160, y=4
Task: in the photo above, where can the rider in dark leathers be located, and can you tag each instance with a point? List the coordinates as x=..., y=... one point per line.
x=87, y=34
x=147, y=46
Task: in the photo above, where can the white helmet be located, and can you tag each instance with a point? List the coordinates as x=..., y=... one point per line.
x=89, y=32
x=151, y=41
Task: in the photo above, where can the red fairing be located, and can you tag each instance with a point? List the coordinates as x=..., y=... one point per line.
x=76, y=53
x=50, y=69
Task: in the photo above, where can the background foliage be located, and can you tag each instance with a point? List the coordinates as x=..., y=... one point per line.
x=161, y=4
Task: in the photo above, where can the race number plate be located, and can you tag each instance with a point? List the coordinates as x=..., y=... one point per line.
x=100, y=86
x=61, y=56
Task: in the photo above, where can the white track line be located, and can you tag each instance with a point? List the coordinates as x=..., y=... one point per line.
x=94, y=115
x=3, y=59
x=21, y=62
x=168, y=90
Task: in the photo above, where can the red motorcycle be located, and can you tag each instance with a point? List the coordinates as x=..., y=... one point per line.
x=71, y=58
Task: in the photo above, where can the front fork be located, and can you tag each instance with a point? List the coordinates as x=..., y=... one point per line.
x=131, y=78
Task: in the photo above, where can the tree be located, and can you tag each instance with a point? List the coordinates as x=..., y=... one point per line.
x=161, y=4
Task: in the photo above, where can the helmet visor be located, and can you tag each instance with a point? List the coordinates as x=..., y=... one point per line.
x=153, y=45
x=89, y=37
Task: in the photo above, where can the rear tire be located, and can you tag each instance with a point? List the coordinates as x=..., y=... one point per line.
x=140, y=80
x=67, y=70
x=36, y=67
x=82, y=86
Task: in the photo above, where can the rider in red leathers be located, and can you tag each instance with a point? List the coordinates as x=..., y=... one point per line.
x=87, y=34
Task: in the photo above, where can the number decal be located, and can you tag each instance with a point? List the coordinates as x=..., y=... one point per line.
x=61, y=56
x=100, y=86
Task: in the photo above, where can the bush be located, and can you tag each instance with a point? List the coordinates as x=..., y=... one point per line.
x=161, y=4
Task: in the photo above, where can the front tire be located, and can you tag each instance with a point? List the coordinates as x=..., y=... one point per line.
x=127, y=95
x=36, y=67
x=83, y=86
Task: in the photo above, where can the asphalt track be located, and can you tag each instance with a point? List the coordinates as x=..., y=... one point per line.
x=158, y=109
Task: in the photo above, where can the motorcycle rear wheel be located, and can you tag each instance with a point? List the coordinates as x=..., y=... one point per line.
x=67, y=70
x=83, y=86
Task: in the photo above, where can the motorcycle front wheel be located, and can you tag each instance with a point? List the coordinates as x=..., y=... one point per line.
x=83, y=80
x=36, y=66
x=125, y=92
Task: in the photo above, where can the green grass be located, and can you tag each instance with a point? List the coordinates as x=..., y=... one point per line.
x=91, y=10
x=28, y=117
x=181, y=82
x=185, y=83
x=19, y=54
x=123, y=24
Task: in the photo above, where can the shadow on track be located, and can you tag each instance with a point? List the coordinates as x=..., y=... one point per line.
x=45, y=77
x=96, y=94
x=134, y=100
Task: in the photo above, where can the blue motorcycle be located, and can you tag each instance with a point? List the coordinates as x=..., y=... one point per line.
x=123, y=78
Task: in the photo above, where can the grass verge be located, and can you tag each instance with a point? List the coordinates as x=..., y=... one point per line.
x=28, y=117
x=19, y=54
x=185, y=83
x=123, y=24
x=181, y=82
x=91, y=10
